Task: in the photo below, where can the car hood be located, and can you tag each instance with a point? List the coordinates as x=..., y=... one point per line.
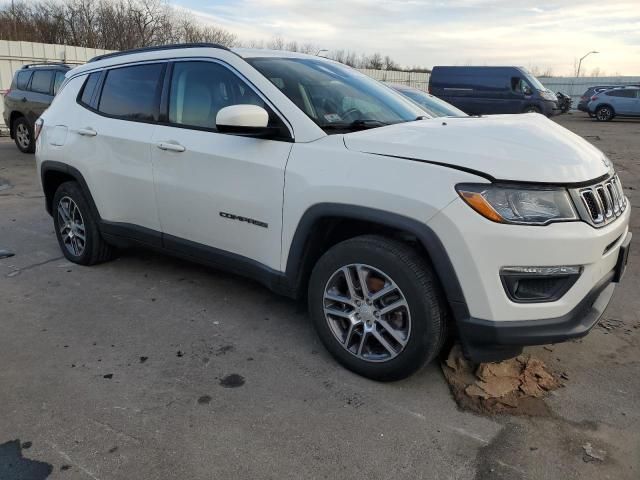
x=524, y=147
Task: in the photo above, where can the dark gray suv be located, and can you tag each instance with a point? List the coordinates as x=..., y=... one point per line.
x=32, y=91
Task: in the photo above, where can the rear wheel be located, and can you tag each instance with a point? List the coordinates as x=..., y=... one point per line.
x=604, y=113
x=23, y=136
x=377, y=307
x=77, y=229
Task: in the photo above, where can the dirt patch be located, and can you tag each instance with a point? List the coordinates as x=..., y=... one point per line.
x=516, y=386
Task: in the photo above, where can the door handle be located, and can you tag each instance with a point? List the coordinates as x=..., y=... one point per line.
x=87, y=132
x=171, y=146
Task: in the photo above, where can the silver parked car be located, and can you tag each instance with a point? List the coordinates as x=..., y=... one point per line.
x=427, y=102
x=618, y=102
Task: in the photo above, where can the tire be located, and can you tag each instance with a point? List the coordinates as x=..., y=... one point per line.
x=531, y=109
x=604, y=113
x=385, y=263
x=70, y=210
x=23, y=135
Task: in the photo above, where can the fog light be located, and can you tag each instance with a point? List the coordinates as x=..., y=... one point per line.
x=538, y=284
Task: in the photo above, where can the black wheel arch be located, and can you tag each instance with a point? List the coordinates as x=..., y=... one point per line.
x=53, y=174
x=600, y=105
x=304, y=250
x=13, y=118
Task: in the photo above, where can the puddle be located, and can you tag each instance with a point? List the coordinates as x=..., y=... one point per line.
x=5, y=254
x=232, y=381
x=13, y=466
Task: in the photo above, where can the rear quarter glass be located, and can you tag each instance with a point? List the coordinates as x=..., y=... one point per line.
x=22, y=79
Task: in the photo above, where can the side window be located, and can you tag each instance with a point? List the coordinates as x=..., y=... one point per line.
x=41, y=81
x=622, y=93
x=200, y=89
x=131, y=93
x=88, y=89
x=22, y=80
x=58, y=81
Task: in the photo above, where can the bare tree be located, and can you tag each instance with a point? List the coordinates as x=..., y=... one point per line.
x=389, y=64
x=107, y=24
x=375, y=62
x=597, y=72
x=276, y=43
x=126, y=24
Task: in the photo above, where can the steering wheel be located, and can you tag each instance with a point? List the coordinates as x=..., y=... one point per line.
x=352, y=111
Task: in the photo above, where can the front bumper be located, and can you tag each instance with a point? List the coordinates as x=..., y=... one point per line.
x=491, y=326
x=484, y=340
x=487, y=341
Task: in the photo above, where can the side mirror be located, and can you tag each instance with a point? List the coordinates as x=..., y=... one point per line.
x=248, y=120
x=526, y=89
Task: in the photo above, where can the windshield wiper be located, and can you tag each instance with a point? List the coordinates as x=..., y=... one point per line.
x=355, y=125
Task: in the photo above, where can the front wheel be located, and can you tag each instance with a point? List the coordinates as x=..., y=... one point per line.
x=604, y=113
x=532, y=109
x=377, y=307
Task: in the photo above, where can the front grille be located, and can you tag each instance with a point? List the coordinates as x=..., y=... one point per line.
x=601, y=203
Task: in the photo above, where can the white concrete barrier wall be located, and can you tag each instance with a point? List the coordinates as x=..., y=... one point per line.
x=13, y=55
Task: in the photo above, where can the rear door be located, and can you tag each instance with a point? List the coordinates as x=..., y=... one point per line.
x=217, y=190
x=635, y=108
x=623, y=101
x=115, y=128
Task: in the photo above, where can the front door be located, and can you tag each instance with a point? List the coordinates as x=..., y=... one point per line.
x=217, y=193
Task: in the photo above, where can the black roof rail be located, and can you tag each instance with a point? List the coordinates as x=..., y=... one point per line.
x=46, y=64
x=172, y=46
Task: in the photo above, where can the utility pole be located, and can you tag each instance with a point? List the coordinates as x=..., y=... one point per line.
x=580, y=62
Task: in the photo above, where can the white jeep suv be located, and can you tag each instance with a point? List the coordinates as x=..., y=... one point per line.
x=326, y=185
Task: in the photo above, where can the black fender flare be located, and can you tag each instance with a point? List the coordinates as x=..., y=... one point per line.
x=426, y=236
x=52, y=166
x=604, y=104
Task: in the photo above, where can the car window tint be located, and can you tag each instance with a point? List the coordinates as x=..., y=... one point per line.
x=622, y=93
x=23, y=80
x=41, y=81
x=130, y=92
x=200, y=89
x=57, y=82
x=89, y=88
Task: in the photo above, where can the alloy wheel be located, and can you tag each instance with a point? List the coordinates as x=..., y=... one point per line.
x=22, y=135
x=604, y=114
x=71, y=225
x=367, y=313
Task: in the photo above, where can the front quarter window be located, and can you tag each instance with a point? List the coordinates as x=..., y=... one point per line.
x=337, y=98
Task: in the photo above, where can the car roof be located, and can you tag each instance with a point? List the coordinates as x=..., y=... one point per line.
x=45, y=66
x=167, y=52
x=266, y=53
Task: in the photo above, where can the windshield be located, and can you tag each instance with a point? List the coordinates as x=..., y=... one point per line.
x=430, y=104
x=535, y=83
x=334, y=96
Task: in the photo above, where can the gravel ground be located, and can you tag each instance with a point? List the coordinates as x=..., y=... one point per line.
x=152, y=368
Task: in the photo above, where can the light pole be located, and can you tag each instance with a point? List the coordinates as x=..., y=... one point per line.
x=580, y=62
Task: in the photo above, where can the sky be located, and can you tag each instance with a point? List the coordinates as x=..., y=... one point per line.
x=535, y=34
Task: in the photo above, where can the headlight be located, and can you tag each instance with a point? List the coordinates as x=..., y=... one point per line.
x=521, y=205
